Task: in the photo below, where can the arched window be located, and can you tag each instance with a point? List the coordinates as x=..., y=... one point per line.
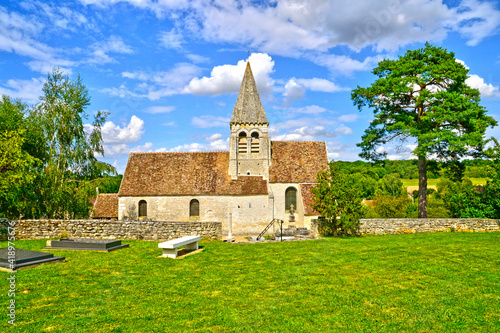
x=194, y=208
x=242, y=143
x=290, y=198
x=255, y=143
x=143, y=208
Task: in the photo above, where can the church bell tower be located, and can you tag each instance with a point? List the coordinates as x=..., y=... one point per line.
x=249, y=143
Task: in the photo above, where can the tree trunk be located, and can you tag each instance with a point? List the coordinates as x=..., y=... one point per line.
x=422, y=187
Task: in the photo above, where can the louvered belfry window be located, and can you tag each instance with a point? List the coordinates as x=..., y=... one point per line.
x=242, y=143
x=143, y=208
x=194, y=208
x=255, y=143
x=291, y=198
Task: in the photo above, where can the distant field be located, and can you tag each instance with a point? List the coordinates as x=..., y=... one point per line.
x=434, y=182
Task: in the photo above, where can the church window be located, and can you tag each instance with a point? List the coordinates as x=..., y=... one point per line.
x=291, y=198
x=194, y=208
x=242, y=143
x=143, y=208
x=255, y=143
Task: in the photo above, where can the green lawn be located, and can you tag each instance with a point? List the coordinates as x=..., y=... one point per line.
x=433, y=182
x=442, y=282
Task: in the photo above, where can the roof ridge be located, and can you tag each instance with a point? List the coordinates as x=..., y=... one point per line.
x=179, y=152
x=296, y=141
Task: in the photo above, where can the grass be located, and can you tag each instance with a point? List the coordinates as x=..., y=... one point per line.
x=442, y=282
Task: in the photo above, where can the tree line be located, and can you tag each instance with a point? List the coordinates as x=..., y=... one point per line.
x=48, y=164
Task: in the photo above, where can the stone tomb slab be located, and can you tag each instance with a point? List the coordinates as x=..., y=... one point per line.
x=26, y=258
x=85, y=244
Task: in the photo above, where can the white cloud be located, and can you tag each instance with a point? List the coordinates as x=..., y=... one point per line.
x=227, y=78
x=18, y=35
x=197, y=58
x=342, y=64
x=160, y=109
x=114, y=44
x=171, y=39
x=122, y=91
x=296, y=88
x=28, y=90
x=348, y=118
x=114, y=134
x=486, y=89
x=217, y=145
x=214, y=137
x=144, y=148
x=164, y=83
x=209, y=121
x=292, y=27
x=342, y=129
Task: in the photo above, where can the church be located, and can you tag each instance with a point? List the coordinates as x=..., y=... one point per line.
x=245, y=188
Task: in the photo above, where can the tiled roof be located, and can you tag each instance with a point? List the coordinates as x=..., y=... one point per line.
x=308, y=199
x=199, y=173
x=106, y=205
x=297, y=161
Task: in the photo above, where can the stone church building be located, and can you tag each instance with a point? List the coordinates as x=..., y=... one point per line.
x=254, y=182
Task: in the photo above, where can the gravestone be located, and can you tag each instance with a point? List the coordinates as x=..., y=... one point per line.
x=89, y=244
x=26, y=258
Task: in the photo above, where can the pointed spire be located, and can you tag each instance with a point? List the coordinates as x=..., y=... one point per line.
x=248, y=108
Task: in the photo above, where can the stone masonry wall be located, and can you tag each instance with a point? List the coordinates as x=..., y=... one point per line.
x=406, y=226
x=147, y=230
x=402, y=226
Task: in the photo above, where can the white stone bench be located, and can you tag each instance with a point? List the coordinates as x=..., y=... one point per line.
x=170, y=247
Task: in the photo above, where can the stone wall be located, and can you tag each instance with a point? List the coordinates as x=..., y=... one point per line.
x=407, y=226
x=147, y=230
x=403, y=226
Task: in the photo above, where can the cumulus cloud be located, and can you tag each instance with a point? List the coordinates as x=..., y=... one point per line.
x=486, y=89
x=114, y=134
x=28, y=90
x=214, y=137
x=296, y=88
x=227, y=78
x=291, y=27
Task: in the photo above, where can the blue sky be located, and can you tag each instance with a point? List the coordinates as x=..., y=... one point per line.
x=169, y=71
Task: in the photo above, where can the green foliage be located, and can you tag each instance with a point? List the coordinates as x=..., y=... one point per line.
x=16, y=169
x=423, y=96
x=387, y=206
x=338, y=200
x=390, y=185
x=57, y=150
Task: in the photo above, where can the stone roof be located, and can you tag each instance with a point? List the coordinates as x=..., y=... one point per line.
x=308, y=199
x=297, y=161
x=193, y=173
x=106, y=205
x=248, y=108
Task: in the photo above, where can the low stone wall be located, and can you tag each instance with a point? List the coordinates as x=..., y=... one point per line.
x=403, y=226
x=147, y=230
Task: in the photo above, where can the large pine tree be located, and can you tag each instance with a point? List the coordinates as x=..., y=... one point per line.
x=422, y=96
